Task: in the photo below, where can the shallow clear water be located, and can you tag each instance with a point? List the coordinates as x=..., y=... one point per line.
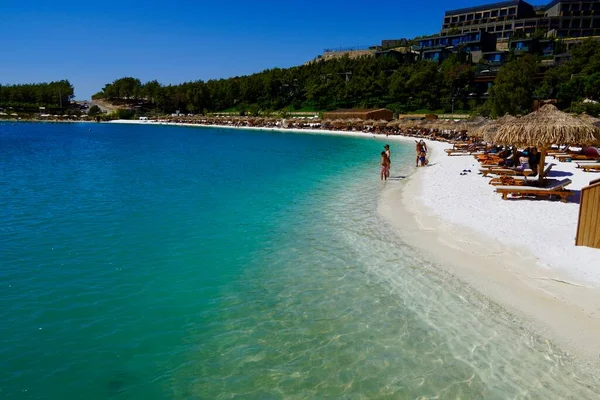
x=143, y=262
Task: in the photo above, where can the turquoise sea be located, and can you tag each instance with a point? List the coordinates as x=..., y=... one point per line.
x=160, y=262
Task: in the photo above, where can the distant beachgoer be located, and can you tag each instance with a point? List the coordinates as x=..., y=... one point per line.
x=389, y=157
x=422, y=158
x=420, y=147
x=385, y=168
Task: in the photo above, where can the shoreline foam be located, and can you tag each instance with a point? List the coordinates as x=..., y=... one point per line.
x=561, y=302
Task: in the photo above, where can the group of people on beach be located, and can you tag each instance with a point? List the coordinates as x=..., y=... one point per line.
x=386, y=162
x=519, y=160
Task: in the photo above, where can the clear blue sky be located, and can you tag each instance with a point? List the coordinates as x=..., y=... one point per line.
x=95, y=42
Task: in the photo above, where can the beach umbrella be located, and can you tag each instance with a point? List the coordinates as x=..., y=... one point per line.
x=488, y=131
x=545, y=127
x=589, y=119
x=381, y=123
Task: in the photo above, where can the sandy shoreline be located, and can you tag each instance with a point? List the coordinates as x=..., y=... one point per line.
x=557, y=303
x=461, y=224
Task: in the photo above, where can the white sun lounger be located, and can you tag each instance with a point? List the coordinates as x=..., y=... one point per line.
x=590, y=167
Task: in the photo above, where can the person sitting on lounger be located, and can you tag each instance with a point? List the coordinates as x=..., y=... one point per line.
x=523, y=163
x=534, y=160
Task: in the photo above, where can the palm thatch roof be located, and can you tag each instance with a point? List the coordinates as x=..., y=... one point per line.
x=545, y=127
x=489, y=130
x=589, y=119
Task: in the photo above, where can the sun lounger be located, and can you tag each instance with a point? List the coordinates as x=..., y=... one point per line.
x=499, y=180
x=506, y=171
x=586, y=162
x=452, y=152
x=557, y=189
x=579, y=157
x=590, y=167
x=521, y=179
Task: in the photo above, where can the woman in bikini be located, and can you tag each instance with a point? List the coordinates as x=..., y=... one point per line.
x=385, y=166
x=389, y=157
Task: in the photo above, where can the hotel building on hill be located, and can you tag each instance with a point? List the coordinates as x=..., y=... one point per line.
x=560, y=18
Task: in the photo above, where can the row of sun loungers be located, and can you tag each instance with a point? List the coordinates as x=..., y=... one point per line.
x=513, y=182
x=516, y=182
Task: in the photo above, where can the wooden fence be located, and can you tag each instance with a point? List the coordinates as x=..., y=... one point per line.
x=588, y=227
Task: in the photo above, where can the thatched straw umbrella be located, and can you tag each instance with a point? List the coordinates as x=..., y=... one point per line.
x=589, y=119
x=369, y=122
x=489, y=130
x=545, y=127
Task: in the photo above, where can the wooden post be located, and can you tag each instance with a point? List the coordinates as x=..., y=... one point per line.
x=542, y=166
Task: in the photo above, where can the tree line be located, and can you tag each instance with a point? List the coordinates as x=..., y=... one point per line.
x=378, y=82
x=34, y=95
x=569, y=83
x=322, y=85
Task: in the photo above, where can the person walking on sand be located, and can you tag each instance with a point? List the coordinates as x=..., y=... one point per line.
x=385, y=168
x=389, y=157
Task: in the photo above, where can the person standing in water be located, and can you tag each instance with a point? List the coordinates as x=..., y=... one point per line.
x=421, y=147
x=389, y=157
x=385, y=166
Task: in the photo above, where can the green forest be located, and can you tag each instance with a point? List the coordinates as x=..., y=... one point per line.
x=379, y=82
x=29, y=97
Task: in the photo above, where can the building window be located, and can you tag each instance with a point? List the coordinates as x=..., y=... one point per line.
x=489, y=29
x=486, y=14
x=503, y=12
x=461, y=18
x=478, y=15
x=506, y=35
x=596, y=23
x=447, y=20
x=586, y=23
x=512, y=11
x=494, y=13
x=518, y=24
x=499, y=28
x=576, y=23
x=470, y=17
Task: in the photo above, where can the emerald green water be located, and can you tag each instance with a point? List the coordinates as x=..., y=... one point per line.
x=151, y=262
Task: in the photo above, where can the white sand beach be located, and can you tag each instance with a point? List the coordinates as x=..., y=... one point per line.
x=520, y=253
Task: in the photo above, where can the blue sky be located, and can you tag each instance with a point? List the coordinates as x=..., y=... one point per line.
x=95, y=42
